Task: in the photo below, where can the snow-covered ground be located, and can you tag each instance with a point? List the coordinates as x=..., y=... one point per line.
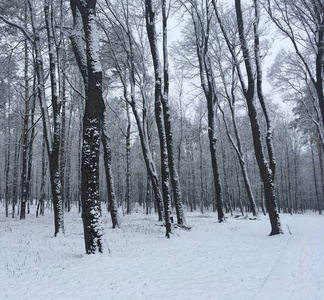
x=234, y=260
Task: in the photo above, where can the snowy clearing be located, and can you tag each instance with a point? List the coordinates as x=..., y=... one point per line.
x=233, y=260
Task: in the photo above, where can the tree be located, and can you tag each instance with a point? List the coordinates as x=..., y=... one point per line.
x=254, y=85
x=52, y=136
x=133, y=75
x=202, y=21
x=150, y=17
x=87, y=56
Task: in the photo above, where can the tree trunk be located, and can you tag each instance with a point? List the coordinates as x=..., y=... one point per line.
x=267, y=174
x=53, y=142
x=65, y=200
x=24, y=182
x=92, y=120
x=15, y=179
x=40, y=206
x=128, y=162
x=112, y=202
x=147, y=154
x=151, y=32
x=167, y=124
x=207, y=83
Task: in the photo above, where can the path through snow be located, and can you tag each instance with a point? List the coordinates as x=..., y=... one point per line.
x=298, y=272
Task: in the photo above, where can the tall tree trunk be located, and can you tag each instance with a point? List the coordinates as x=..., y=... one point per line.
x=267, y=172
x=152, y=36
x=90, y=67
x=30, y=145
x=207, y=83
x=319, y=206
x=53, y=142
x=167, y=123
x=65, y=200
x=7, y=158
x=24, y=182
x=41, y=204
x=128, y=162
x=320, y=157
x=15, y=179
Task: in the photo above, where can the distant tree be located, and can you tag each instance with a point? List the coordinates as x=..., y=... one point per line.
x=51, y=131
x=133, y=75
x=201, y=15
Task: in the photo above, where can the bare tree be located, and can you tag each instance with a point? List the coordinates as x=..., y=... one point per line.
x=253, y=86
x=152, y=36
x=201, y=18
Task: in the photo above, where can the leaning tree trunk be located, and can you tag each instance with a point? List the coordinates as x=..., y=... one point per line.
x=207, y=83
x=266, y=170
x=112, y=202
x=152, y=36
x=175, y=182
x=150, y=164
x=213, y=151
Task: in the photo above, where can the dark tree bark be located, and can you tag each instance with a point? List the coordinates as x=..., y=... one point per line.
x=24, y=181
x=266, y=170
x=65, y=200
x=15, y=181
x=152, y=36
x=319, y=206
x=167, y=122
x=30, y=145
x=207, y=84
x=40, y=205
x=52, y=141
x=90, y=67
x=128, y=161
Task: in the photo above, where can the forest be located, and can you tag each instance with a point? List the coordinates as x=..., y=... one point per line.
x=168, y=107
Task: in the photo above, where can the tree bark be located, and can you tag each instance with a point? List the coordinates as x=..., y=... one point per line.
x=112, y=202
x=207, y=84
x=24, y=182
x=167, y=123
x=165, y=172
x=267, y=174
x=92, y=120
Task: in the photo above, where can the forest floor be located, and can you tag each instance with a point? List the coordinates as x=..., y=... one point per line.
x=233, y=260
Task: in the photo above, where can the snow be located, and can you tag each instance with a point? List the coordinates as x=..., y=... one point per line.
x=94, y=45
x=232, y=260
